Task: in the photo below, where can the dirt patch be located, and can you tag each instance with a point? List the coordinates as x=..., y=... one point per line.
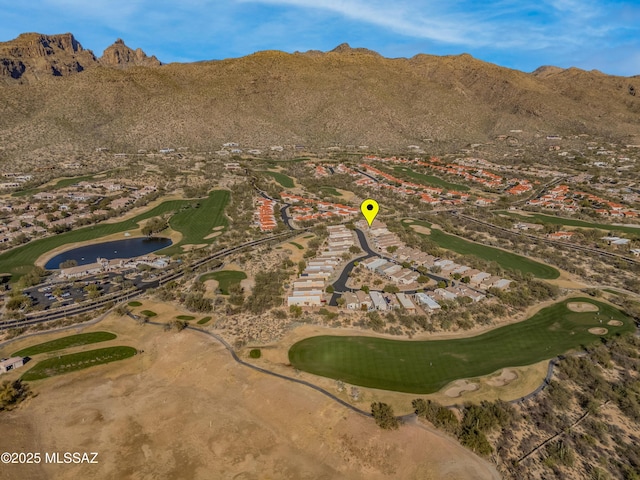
x=506, y=377
x=615, y=323
x=459, y=387
x=421, y=229
x=598, y=331
x=210, y=287
x=582, y=307
x=234, y=423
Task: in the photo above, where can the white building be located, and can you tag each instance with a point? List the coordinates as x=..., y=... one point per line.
x=426, y=301
x=305, y=301
x=351, y=301
x=405, y=302
x=379, y=303
x=12, y=363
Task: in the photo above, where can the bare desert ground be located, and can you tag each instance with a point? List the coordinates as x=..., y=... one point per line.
x=184, y=409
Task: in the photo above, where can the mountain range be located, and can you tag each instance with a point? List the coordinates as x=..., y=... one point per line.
x=54, y=94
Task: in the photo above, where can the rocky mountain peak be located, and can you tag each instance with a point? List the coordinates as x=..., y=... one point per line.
x=35, y=55
x=121, y=56
x=345, y=48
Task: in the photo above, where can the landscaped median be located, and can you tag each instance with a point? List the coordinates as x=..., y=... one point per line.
x=427, y=366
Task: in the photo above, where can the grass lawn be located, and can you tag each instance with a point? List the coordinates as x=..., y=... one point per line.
x=208, y=214
x=281, y=178
x=430, y=180
x=135, y=304
x=297, y=245
x=427, y=366
x=506, y=260
x=77, y=361
x=204, y=320
x=197, y=220
x=65, y=342
x=539, y=217
x=225, y=279
x=65, y=182
x=331, y=191
x=185, y=317
x=148, y=313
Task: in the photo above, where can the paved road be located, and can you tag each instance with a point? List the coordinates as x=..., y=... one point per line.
x=558, y=243
x=45, y=316
x=340, y=285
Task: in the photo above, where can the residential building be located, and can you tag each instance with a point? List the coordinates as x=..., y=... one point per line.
x=9, y=364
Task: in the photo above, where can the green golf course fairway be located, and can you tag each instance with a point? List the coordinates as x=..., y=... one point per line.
x=569, y=222
x=281, y=178
x=65, y=342
x=225, y=279
x=507, y=260
x=427, y=366
x=195, y=219
x=77, y=361
x=431, y=180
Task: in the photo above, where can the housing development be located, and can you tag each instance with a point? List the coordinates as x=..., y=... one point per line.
x=247, y=301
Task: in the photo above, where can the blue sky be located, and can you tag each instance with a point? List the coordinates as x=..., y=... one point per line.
x=589, y=34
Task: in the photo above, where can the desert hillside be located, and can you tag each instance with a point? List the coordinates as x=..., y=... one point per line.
x=56, y=95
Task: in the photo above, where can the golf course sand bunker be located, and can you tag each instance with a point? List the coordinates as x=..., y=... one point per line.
x=421, y=229
x=459, y=387
x=212, y=235
x=598, y=331
x=506, y=377
x=615, y=323
x=582, y=307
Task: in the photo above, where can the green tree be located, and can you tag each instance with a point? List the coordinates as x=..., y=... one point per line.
x=391, y=288
x=92, y=290
x=12, y=393
x=154, y=225
x=197, y=303
x=384, y=417
x=295, y=310
x=236, y=294
x=69, y=263
x=18, y=302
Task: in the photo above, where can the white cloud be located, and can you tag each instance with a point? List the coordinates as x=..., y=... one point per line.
x=398, y=17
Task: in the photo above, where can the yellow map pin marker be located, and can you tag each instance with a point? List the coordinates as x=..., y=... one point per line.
x=369, y=209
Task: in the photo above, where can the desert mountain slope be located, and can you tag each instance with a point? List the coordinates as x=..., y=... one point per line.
x=32, y=56
x=346, y=96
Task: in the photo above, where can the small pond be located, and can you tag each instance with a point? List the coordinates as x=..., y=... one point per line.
x=127, y=248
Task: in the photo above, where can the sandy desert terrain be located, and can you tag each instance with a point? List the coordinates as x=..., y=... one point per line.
x=184, y=409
